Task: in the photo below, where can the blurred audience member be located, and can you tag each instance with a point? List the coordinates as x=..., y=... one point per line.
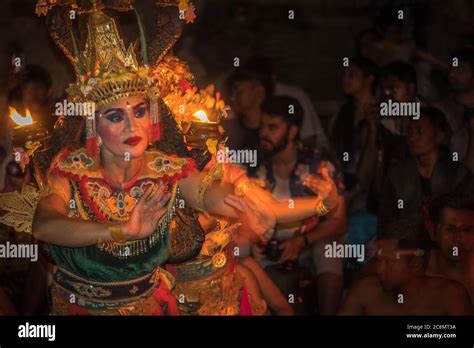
x=277, y=303
x=458, y=106
x=396, y=42
x=461, y=80
x=262, y=69
x=411, y=184
x=397, y=82
x=311, y=129
x=284, y=171
x=366, y=44
x=453, y=234
x=354, y=136
x=248, y=88
x=468, y=155
x=401, y=287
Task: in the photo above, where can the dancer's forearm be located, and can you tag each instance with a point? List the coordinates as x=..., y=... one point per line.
x=52, y=225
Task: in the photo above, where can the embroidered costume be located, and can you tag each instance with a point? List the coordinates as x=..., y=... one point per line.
x=127, y=278
x=113, y=277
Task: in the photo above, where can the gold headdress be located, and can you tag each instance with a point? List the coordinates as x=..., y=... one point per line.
x=106, y=70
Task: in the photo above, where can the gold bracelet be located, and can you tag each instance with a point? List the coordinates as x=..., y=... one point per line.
x=214, y=174
x=321, y=209
x=245, y=185
x=242, y=187
x=116, y=233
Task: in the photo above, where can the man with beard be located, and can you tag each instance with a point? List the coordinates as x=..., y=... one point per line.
x=400, y=286
x=453, y=233
x=284, y=171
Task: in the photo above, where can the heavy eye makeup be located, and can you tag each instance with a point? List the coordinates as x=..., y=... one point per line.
x=140, y=110
x=118, y=115
x=114, y=115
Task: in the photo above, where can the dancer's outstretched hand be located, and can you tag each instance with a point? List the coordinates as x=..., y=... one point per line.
x=146, y=214
x=255, y=214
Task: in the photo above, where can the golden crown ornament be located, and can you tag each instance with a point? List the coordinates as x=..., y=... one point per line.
x=107, y=71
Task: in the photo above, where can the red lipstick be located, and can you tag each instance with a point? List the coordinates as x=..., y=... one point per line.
x=133, y=141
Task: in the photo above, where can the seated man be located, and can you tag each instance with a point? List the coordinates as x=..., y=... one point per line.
x=453, y=234
x=401, y=286
x=277, y=303
x=411, y=184
x=284, y=171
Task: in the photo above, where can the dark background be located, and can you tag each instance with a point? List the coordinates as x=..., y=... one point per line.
x=307, y=51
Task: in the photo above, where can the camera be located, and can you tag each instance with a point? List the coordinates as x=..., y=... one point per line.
x=273, y=251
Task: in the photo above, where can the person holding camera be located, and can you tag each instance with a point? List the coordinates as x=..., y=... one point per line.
x=289, y=170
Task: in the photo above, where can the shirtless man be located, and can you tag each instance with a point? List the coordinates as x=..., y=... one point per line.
x=401, y=288
x=453, y=234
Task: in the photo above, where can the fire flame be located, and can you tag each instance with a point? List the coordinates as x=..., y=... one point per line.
x=201, y=115
x=19, y=119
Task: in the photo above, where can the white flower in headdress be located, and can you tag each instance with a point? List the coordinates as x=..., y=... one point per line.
x=85, y=89
x=87, y=84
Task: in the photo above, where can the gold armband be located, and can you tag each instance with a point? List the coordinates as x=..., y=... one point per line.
x=321, y=209
x=116, y=233
x=245, y=185
x=214, y=174
x=242, y=187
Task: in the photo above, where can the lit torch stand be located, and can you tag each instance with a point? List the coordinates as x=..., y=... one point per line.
x=198, y=133
x=34, y=132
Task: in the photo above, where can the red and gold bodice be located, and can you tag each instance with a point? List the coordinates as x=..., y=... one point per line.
x=94, y=197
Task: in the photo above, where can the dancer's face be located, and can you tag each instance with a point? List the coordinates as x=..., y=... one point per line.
x=124, y=127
